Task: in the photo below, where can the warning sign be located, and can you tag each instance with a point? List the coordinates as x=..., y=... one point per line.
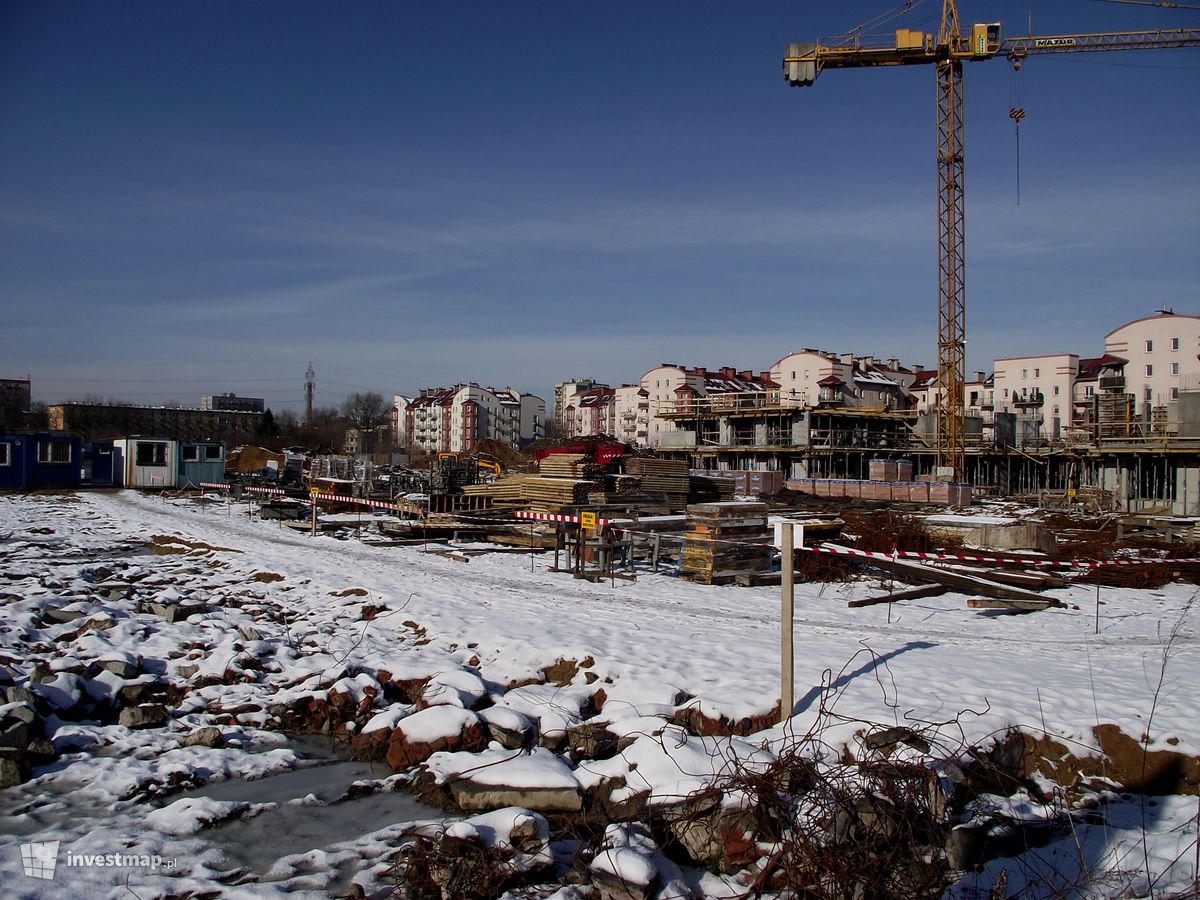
x=587, y=519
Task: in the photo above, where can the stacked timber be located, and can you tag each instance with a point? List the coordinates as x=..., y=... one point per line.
x=725, y=540
x=508, y=491
x=662, y=476
x=570, y=465
x=702, y=489
x=552, y=494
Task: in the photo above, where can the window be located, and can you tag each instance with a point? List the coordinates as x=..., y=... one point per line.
x=1056, y=409
x=1089, y=391
x=151, y=454
x=1174, y=393
x=212, y=451
x=1037, y=373
x=1174, y=343
x=1149, y=370
x=1024, y=373
x=1056, y=390
x=54, y=452
x=1174, y=368
x=190, y=453
x=1006, y=393
x=1148, y=395
x=5, y=454
x=1149, y=346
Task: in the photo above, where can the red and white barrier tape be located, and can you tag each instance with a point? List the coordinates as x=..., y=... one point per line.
x=552, y=517
x=1069, y=564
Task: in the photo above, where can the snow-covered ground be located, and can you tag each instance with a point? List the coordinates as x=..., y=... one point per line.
x=285, y=620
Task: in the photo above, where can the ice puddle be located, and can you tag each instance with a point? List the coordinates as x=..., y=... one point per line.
x=308, y=815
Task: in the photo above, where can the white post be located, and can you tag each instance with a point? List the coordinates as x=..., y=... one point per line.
x=787, y=596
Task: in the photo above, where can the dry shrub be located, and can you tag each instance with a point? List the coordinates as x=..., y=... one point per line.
x=882, y=530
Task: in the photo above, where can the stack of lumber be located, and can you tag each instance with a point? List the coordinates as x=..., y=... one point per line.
x=553, y=493
x=570, y=465
x=503, y=491
x=702, y=489
x=725, y=540
x=662, y=476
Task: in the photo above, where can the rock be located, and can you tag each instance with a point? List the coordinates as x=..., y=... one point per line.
x=13, y=772
x=889, y=737
x=208, y=736
x=454, y=688
x=62, y=615
x=19, y=726
x=623, y=873
x=591, y=740
x=713, y=835
x=176, y=612
x=140, y=692
x=471, y=796
x=429, y=731
x=249, y=633
x=95, y=622
x=510, y=728
x=122, y=668
x=148, y=715
x=965, y=845
x=19, y=694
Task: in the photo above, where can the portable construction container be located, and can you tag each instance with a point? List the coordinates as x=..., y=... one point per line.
x=40, y=460
x=200, y=461
x=143, y=462
x=98, y=466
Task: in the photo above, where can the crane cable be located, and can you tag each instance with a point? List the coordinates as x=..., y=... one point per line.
x=1016, y=112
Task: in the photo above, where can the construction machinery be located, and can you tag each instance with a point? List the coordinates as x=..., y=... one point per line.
x=947, y=51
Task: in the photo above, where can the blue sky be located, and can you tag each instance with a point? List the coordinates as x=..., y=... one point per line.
x=205, y=197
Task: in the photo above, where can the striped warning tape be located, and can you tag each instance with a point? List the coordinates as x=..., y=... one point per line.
x=376, y=504
x=270, y=492
x=553, y=517
x=950, y=557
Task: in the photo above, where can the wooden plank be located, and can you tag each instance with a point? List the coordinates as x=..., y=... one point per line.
x=925, y=590
x=957, y=580
x=1016, y=605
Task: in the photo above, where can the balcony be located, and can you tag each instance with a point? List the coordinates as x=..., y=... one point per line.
x=749, y=403
x=1032, y=401
x=1112, y=383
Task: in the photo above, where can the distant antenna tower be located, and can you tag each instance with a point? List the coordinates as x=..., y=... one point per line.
x=309, y=383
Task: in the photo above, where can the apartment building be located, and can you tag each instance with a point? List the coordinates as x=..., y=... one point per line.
x=456, y=419
x=673, y=391
x=564, y=393
x=815, y=378
x=592, y=411
x=1161, y=359
x=1038, y=390
x=631, y=408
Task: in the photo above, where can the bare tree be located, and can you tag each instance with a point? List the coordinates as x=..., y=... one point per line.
x=366, y=411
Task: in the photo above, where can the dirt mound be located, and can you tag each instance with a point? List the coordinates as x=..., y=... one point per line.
x=252, y=460
x=501, y=453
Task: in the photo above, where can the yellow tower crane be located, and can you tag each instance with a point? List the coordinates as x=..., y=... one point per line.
x=947, y=50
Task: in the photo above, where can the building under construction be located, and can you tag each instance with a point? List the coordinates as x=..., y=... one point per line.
x=1109, y=456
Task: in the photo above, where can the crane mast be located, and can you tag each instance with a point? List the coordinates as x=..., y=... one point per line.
x=947, y=50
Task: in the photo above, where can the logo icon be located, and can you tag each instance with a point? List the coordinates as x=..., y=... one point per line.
x=39, y=858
